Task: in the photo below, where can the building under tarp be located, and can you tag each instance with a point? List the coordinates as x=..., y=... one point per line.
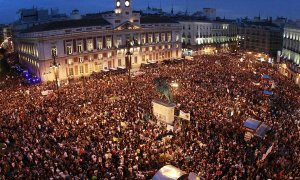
x=170, y=172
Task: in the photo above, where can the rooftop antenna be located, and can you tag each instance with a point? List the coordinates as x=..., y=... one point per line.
x=160, y=5
x=172, y=10
x=186, y=11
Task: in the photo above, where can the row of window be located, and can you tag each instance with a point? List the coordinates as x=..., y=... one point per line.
x=81, y=69
x=291, y=35
x=28, y=49
x=29, y=60
x=206, y=27
x=119, y=52
x=157, y=56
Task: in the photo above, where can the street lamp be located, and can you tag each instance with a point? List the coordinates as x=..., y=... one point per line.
x=128, y=56
x=55, y=67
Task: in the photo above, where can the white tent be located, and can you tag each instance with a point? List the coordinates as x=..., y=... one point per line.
x=168, y=172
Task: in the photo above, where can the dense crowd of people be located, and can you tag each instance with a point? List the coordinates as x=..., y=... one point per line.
x=96, y=127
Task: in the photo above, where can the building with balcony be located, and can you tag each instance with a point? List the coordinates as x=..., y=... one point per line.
x=290, y=56
x=203, y=33
x=95, y=43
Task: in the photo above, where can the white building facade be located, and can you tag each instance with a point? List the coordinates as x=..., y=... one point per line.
x=85, y=46
x=197, y=32
x=290, y=55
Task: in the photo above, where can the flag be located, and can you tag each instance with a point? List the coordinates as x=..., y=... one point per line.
x=267, y=153
x=183, y=115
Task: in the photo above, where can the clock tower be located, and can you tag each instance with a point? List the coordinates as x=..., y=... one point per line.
x=123, y=14
x=123, y=7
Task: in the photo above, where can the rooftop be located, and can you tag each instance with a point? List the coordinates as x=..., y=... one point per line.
x=156, y=19
x=57, y=25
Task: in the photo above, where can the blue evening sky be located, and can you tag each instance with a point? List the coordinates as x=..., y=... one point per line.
x=227, y=8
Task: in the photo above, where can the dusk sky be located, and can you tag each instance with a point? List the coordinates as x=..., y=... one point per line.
x=227, y=8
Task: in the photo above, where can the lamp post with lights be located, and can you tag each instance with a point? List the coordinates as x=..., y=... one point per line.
x=128, y=62
x=55, y=67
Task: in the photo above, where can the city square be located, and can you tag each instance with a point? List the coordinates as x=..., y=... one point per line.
x=127, y=95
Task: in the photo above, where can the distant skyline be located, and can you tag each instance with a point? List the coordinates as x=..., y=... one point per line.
x=229, y=8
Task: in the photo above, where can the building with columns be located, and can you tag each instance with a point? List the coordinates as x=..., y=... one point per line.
x=95, y=43
x=290, y=55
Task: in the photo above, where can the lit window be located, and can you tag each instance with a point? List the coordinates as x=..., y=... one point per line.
x=169, y=37
x=156, y=37
x=99, y=44
x=81, y=70
x=79, y=47
x=70, y=61
x=90, y=46
x=100, y=56
x=81, y=59
x=150, y=38
x=69, y=49
x=108, y=43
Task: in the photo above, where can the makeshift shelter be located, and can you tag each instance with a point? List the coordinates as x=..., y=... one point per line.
x=255, y=127
x=262, y=130
x=267, y=93
x=169, y=172
x=251, y=125
x=264, y=76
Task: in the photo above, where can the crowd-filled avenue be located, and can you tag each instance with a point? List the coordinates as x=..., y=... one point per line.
x=101, y=127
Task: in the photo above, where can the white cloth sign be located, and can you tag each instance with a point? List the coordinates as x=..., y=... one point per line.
x=183, y=115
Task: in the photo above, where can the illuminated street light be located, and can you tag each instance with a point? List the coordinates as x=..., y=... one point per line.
x=174, y=85
x=55, y=66
x=128, y=56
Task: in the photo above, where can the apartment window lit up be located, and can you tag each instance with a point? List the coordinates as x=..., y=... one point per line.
x=163, y=37
x=90, y=46
x=169, y=37
x=177, y=37
x=81, y=59
x=156, y=37
x=81, y=69
x=99, y=44
x=150, y=38
x=70, y=61
x=108, y=43
x=100, y=56
x=109, y=54
x=143, y=39
x=79, y=47
x=69, y=49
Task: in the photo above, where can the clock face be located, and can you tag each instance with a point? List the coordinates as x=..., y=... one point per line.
x=127, y=3
x=118, y=3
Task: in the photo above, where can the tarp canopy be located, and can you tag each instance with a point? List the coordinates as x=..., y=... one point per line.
x=168, y=172
x=267, y=93
x=262, y=130
x=251, y=124
x=265, y=76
